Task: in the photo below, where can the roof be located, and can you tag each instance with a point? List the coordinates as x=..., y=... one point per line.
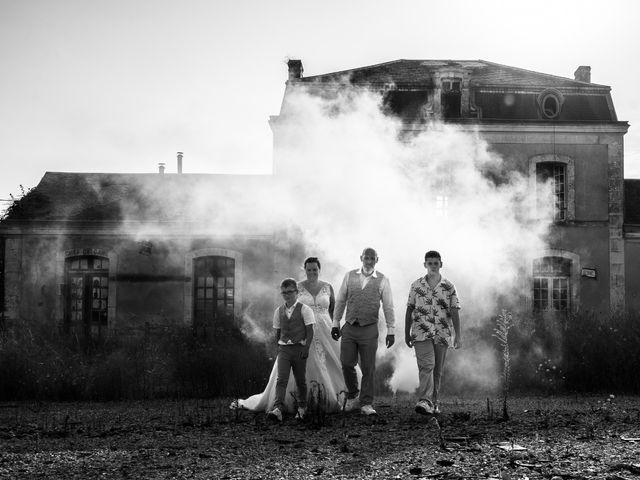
x=492, y=91
x=420, y=73
x=118, y=197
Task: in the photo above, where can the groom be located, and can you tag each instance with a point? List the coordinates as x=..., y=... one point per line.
x=361, y=293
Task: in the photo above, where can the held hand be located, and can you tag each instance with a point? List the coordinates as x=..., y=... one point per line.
x=408, y=339
x=390, y=340
x=335, y=333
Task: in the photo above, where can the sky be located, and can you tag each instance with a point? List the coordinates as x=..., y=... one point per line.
x=120, y=86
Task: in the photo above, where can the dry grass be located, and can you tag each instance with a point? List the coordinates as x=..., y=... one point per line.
x=571, y=437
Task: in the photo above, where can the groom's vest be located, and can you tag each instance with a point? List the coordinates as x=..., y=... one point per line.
x=292, y=329
x=363, y=304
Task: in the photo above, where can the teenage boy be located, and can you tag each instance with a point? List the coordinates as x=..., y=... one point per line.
x=293, y=322
x=431, y=320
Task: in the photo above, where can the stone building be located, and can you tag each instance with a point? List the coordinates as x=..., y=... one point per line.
x=107, y=253
x=549, y=128
x=110, y=252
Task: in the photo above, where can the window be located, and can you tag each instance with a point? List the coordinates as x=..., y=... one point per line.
x=442, y=205
x=551, y=284
x=550, y=104
x=553, y=176
x=450, y=99
x=87, y=289
x=214, y=292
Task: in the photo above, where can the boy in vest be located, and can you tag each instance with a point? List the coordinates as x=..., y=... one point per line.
x=361, y=293
x=431, y=320
x=293, y=322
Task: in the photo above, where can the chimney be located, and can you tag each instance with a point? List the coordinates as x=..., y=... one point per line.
x=179, y=162
x=295, y=69
x=161, y=168
x=583, y=74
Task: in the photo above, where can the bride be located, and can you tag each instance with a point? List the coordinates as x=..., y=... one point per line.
x=324, y=371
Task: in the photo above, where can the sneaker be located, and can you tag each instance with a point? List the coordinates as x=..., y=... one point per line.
x=423, y=407
x=368, y=410
x=302, y=411
x=275, y=414
x=352, y=404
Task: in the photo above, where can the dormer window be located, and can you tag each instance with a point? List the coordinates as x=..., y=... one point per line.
x=450, y=99
x=550, y=103
x=550, y=106
x=451, y=85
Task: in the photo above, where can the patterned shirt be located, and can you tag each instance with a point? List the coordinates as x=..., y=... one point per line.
x=432, y=310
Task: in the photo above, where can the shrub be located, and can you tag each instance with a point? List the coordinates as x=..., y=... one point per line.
x=587, y=352
x=39, y=364
x=230, y=366
x=601, y=353
x=590, y=353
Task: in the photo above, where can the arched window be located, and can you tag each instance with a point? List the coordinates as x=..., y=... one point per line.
x=213, y=292
x=87, y=294
x=552, y=284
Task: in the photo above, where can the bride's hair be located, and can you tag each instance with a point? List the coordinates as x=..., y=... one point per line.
x=312, y=260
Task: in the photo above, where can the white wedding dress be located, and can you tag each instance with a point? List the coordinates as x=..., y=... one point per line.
x=324, y=371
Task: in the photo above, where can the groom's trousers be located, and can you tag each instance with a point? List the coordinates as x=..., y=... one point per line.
x=359, y=341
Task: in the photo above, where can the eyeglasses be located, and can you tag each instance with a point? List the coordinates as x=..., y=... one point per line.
x=287, y=292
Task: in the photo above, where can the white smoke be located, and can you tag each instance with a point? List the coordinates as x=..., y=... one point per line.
x=354, y=178
x=347, y=177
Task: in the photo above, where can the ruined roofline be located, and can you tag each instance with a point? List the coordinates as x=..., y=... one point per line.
x=323, y=78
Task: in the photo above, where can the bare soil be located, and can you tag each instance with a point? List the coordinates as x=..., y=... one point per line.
x=562, y=437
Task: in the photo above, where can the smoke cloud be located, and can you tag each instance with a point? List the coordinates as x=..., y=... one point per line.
x=354, y=177
x=348, y=176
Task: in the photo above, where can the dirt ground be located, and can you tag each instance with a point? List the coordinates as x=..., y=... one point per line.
x=547, y=437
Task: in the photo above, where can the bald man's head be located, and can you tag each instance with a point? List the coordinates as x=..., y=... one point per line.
x=369, y=258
